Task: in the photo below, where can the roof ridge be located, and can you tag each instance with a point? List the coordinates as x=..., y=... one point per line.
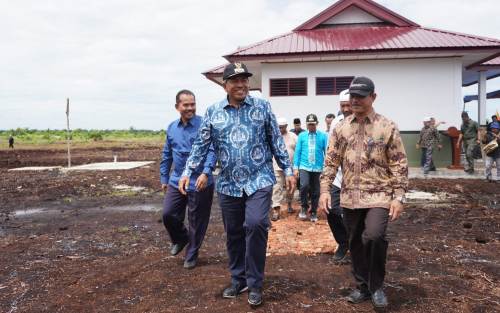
x=258, y=43
x=437, y=30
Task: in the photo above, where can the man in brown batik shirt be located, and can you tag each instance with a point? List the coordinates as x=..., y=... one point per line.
x=369, y=148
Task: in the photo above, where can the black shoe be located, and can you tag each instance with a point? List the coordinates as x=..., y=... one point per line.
x=255, y=297
x=314, y=217
x=177, y=248
x=340, y=255
x=190, y=264
x=235, y=289
x=379, y=299
x=358, y=296
x=290, y=210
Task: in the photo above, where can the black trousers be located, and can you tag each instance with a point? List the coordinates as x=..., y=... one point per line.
x=336, y=221
x=309, y=185
x=368, y=245
x=199, y=205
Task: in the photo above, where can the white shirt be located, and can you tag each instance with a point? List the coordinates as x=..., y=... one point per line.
x=338, y=178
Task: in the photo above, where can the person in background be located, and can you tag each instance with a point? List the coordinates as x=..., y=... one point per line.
x=469, y=135
x=279, y=189
x=181, y=134
x=492, y=156
x=334, y=213
x=308, y=165
x=494, y=119
x=11, y=142
x=328, y=121
x=429, y=137
x=297, y=126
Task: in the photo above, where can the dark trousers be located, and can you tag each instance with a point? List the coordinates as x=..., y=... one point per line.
x=199, y=205
x=309, y=185
x=368, y=245
x=246, y=221
x=335, y=220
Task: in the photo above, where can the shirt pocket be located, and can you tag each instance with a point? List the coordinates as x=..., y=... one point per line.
x=376, y=150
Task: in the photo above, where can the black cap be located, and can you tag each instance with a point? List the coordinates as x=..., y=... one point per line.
x=362, y=86
x=235, y=69
x=311, y=119
x=296, y=120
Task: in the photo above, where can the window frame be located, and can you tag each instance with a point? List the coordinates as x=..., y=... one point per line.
x=334, y=85
x=288, y=87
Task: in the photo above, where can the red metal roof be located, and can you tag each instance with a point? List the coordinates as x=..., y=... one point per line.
x=363, y=38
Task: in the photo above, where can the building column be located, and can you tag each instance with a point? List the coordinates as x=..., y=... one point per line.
x=481, y=98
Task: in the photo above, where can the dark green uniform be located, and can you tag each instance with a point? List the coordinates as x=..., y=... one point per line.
x=469, y=133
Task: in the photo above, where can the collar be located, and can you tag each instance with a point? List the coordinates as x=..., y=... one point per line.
x=247, y=100
x=370, y=117
x=189, y=123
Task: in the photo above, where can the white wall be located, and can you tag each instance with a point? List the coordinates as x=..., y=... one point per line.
x=353, y=15
x=408, y=90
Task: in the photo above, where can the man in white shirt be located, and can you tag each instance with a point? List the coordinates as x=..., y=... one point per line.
x=279, y=189
x=334, y=216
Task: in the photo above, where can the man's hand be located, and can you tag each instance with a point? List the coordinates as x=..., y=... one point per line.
x=325, y=203
x=183, y=184
x=395, y=209
x=201, y=182
x=296, y=173
x=417, y=146
x=164, y=187
x=290, y=184
x=440, y=147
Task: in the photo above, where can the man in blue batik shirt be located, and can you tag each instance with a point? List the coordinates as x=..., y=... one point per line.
x=245, y=135
x=181, y=134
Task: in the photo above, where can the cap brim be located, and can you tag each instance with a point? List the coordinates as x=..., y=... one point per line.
x=358, y=92
x=315, y=123
x=237, y=74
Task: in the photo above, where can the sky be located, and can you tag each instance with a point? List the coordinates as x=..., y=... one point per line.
x=121, y=62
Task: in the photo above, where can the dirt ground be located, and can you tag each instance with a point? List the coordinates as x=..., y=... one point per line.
x=75, y=243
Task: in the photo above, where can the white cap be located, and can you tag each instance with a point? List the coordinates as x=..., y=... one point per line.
x=344, y=95
x=282, y=121
x=427, y=119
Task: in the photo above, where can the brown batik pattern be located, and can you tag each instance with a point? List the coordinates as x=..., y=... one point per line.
x=373, y=161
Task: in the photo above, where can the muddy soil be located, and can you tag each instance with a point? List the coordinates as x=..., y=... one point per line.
x=74, y=243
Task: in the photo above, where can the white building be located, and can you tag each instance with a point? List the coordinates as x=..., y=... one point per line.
x=303, y=71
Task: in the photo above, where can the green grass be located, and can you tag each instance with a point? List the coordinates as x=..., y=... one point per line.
x=26, y=136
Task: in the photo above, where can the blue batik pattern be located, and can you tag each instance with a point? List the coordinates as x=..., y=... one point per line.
x=245, y=140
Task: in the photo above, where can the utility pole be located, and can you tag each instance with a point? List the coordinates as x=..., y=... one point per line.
x=68, y=133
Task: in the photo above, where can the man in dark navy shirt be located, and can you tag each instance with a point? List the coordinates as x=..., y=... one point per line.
x=181, y=134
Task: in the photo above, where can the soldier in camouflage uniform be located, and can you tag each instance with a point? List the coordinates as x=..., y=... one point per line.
x=469, y=135
x=429, y=137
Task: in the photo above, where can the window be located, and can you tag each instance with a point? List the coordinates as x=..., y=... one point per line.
x=288, y=87
x=332, y=85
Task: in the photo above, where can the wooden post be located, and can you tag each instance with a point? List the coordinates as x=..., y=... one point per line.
x=68, y=133
x=453, y=133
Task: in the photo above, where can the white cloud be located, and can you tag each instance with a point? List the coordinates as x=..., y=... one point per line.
x=122, y=61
